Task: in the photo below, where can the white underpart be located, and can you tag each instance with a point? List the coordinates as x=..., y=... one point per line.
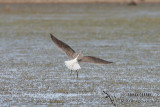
x=72, y=64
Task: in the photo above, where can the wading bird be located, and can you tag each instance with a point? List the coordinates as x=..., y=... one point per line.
x=76, y=57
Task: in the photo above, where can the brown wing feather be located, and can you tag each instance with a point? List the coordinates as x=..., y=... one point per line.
x=91, y=59
x=66, y=48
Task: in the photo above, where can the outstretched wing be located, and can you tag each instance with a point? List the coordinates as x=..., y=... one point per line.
x=94, y=60
x=66, y=48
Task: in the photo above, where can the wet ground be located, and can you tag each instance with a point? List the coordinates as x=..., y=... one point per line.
x=32, y=70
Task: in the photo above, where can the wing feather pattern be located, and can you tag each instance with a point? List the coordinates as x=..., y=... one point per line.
x=94, y=60
x=66, y=48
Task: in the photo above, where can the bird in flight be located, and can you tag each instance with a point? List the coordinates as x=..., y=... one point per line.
x=76, y=57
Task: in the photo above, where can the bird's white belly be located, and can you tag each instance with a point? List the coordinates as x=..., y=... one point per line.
x=72, y=64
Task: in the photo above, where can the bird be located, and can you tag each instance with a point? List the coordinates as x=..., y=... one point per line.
x=73, y=64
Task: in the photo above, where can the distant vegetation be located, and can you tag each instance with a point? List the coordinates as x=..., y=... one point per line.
x=78, y=1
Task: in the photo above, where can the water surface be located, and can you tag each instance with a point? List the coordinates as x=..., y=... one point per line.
x=32, y=70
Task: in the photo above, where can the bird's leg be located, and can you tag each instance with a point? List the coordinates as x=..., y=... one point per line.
x=71, y=71
x=77, y=73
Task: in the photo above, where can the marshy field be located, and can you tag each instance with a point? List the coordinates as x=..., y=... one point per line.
x=32, y=70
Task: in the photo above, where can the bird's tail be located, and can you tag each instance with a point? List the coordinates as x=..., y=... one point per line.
x=72, y=65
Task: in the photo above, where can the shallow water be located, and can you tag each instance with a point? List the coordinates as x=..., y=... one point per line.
x=32, y=70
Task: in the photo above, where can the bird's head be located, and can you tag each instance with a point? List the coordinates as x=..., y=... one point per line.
x=78, y=55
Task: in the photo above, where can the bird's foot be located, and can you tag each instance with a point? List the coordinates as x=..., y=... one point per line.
x=77, y=74
x=71, y=72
